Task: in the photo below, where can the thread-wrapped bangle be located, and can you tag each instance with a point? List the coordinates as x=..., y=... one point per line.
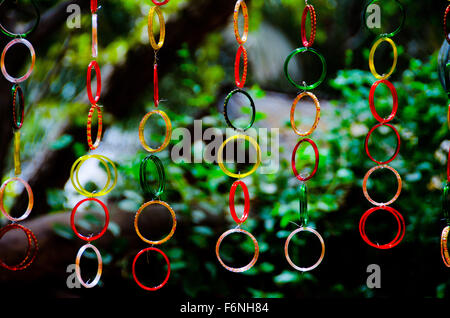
x=444, y=246
x=308, y=9
x=99, y=127
x=240, y=82
x=240, y=39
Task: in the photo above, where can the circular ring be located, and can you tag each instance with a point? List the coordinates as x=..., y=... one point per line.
x=17, y=91
x=134, y=269
x=322, y=76
x=225, y=109
x=174, y=222
x=286, y=247
x=2, y=62
x=372, y=54
x=143, y=176
x=239, y=39
x=316, y=121
x=401, y=227
x=308, y=9
x=160, y=3
x=105, y=227
x=76, y=169
x=246, y=200
x=394, y=101
x=255, y=255
x=89, y=127
x=316, y=164
x=367, y=144
x=23, y=35
x=98, y=77
x=30, y=199
x=444, y=247
x=366, y=177
x=445, y=24
x=237, y=62
x=99, y=267
x=220, y=156
x=31, y=249
x=162, y=27
x=155, y=85
x=168, y=131
x=399, y=28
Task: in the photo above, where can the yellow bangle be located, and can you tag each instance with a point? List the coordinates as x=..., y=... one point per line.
x=371, y=57
x=168, y=130
x=174, y=222
x=17, y=167
x=162, y=28
x=220, y=155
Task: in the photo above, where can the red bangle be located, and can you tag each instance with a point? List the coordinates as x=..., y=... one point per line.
x=444, y=246
x=448, y=166
x=98, y=76
x=240, y=82
x=308, y=9
x=89, y=127
x=394, y=101
x=160, y=3
x=367, y=144
x=246, y=204
x=72, y=220
x=316, y=165
x=134, y=269
x=445, y=24
x=401, y=227
x=31, y=249
x=94, y=6
x=155, y=85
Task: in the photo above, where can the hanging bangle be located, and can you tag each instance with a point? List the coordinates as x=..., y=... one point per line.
x=134, y=269
x=367, y=144
x=397, y=30
x=160, y=3
x=72, y=220
x=89, y=127
x=322, y=76
x=99, y=267
x=316, y=164
x=240, y=82
x=399, y=188
x=308, y=9
x=162, y=28
x=445, y=24
x=303, y=204
x=155, y=85
x=394, y=101
x=98, y=78
x=246, y=200
x=143, y=176
x=17, y=94
x=239, y=39
x=94, y=6
x=316, y=121
x=371, y=58
x=32, y=247
x=34, y=26
x=30, y=69
x=444, y=246
x=255, y=255
x=94, y=36
x=17, y=167
x=221, y=162
x=168, y=131
x=225, y=109
x=30, y=199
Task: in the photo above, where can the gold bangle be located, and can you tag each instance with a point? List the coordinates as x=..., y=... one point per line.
x=168, y=131
x=316, y=121
x=239, y=39
x=162, y=28
x=371, y=58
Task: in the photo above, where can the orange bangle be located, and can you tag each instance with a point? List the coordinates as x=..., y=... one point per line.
x=239, y=39
x=316, y=121
x=89, y=127
x=168, y=130
x=444, y=247
x=366, y=177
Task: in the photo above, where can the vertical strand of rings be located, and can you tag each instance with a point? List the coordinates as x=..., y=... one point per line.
x=153, y=196
x=383, y=79
x=240, y=82
x=18, y=113
x=106, y=162
x=445, y=206
x=305, y=92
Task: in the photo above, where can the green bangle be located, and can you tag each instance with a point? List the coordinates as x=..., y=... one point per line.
x=23, y=35
x=445, y=202
x=386, y=35
x=322, y=76
x=148, y=191
x=225, y=109
x=303, y=204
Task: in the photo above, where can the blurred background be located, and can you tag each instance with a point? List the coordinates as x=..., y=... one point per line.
x=196, y=72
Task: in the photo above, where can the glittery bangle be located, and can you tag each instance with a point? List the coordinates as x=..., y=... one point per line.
x=174, y=222
x=162, y=28
x=286, y=249
x=30, y=69
x=33, y=27
x=372, y=54
x=316, y=164
x=99, y=127
x=30, y=200
x=316, y=121
x=98, y=78
x=255, y=255
x=240, y=82
x=397, y=30
x=148, y=191
x=308, y=9
x=367, y=144
x=239, y=39
x=399, y=188
x=91, y=237
x=246, y=200
x=168, y=131
x=134, y=269
x=225, y=109
x=99, y=267
x=17, y=166
x=444, y=246
x=17, y=94
x=394, y=101
x=32, y=247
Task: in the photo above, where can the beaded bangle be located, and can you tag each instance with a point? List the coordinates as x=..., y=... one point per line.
x=303, y=204
x=30, y=200
x=72, y=220
x=155, y=85
x=17, y=93
x=394, y=101
x=33, y=27
x=94, y=36
x=255, y=255
x=308, y=9
x=397, y=30
x=372, y=54
x=316, y=164
x=17, y=167
x=401, y=227
x=367, y=143
x=239, y=4
x=31, y=249
x=160, y=3
x=225, y=109
x=30, y=69
x=89, y=127
x=444, y=247
x=399, y=188
x=322, y=76
x=220, y=156
x=445, y=24
x=162, y=28
x=134, y=269
x=240, y=82
x=143, y=176
x=174, y=222
x=316, y=121
x=246, y=200
x=98, y=77
x=168, y=131
x=99, y=267
x=286, y=249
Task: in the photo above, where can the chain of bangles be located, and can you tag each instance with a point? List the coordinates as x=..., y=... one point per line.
x=240, y=82
x=305, y=92
x=153, y=195
x=18, y=114
x=383, y=79
x=109, y=165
